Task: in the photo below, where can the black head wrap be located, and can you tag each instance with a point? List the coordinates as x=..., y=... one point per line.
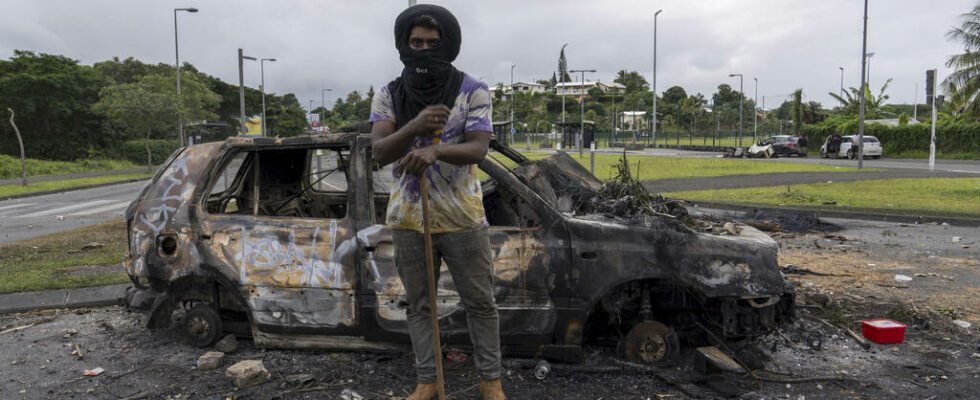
x=429, y=77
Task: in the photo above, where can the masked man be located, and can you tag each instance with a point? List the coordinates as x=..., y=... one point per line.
x=435, y=120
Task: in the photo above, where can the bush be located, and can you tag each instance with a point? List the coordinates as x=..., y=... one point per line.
x=135, y=150
x=10, y=166
x=951, y=136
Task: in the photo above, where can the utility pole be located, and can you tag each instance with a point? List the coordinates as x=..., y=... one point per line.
x=864, y=60
x=241, y=89
x=581, y=131
x=755, y=113
x=653, y=134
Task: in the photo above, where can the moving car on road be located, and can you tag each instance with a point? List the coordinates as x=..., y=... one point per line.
x=286, y=238
x=849, y=148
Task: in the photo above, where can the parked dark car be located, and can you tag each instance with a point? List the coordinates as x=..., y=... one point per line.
x=782, y=145
x=286, y=237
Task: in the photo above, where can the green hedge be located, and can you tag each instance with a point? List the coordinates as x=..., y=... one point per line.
x=135, y=150
x=10, y=166
x=951, y=137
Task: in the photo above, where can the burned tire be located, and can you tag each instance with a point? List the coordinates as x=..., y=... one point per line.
x=651, y=342
x=202, y=326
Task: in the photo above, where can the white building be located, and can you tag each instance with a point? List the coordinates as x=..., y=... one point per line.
x=633, y=120
x=579, y=89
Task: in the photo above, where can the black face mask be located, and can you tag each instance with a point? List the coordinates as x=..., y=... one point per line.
x=429, y=77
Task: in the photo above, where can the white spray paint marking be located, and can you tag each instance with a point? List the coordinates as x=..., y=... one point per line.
x=161, y=213
x=269, y=252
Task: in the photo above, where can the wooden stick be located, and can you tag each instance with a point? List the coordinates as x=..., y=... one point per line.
x=433, y=289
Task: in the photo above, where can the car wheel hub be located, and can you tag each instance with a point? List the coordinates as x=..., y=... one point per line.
x=648, y=342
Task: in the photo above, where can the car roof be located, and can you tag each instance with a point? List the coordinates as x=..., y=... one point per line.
x=301, y=140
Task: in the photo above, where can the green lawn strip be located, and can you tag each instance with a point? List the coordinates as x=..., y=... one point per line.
x=924, y=154
x=10, y=166
x=654, y=167
x=10, y=190
x=56, y=261
x=954, y=197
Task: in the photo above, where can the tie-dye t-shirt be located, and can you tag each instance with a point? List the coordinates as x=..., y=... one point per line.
x=455, y=197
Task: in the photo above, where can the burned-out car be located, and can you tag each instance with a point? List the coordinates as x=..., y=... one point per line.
x=286, y=238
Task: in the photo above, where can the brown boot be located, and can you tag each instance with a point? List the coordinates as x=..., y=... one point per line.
x=491, y=390
x=424, y=391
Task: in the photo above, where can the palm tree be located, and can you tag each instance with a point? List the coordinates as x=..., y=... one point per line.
x=851, y=103
x=966, y=75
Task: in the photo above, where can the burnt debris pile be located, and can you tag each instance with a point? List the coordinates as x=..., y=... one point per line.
x=625, y=197
x=562, y=181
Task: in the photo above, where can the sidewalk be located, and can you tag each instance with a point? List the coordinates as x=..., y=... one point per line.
x=93, y=296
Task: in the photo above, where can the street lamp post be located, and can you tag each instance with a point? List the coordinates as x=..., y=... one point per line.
x=241, y=88
x=755, y=114
x=841, y=82
x=180, y=122
x=262, y=69
x=565, y=88
x=653, y=132
x=512, y=97
x=323, y=105
x=741, y=99
x=581, y=129
x=323, y=101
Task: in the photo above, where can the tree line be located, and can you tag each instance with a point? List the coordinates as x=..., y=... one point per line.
x=69, y=111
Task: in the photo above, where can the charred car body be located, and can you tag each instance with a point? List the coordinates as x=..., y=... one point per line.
x=287, y=236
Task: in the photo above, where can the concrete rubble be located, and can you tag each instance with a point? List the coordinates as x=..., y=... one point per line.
x=247, y=373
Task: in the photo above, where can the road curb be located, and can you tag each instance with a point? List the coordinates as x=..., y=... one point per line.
x=70, y=189
x=93, y=296
x=908, y=219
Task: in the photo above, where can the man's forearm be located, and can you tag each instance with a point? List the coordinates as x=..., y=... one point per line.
x=462, y=153
x=388, y=149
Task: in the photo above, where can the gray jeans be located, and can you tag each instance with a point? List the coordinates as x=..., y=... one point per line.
x=470, y=261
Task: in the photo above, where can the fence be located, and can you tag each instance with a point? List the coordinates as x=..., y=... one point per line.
x=609, y=139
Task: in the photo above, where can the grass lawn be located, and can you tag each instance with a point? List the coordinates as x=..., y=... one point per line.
x=10, y=190
x=955, y=197
x=653, y=167
x=56, y=261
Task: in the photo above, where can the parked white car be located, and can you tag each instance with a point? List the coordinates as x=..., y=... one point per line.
x=848, y=148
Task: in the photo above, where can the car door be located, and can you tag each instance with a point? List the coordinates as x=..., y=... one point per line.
x=279, y=230
x=520, y=271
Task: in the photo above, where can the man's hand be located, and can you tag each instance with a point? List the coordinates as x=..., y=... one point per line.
x=416, y=161
x=429, y=120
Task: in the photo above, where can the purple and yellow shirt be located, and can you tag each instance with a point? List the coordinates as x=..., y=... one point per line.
x=455, y=197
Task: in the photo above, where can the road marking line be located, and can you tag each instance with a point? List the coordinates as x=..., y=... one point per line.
x=110, y=207
x=15, y=206
x=62, y=209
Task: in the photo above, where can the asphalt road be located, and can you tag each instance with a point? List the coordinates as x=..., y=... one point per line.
x=35, y=216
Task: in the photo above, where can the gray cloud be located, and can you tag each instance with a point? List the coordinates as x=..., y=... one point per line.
x=348, y=45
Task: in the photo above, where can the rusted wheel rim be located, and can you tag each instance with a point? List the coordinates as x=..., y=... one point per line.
x=647, y=342
x=198, y=327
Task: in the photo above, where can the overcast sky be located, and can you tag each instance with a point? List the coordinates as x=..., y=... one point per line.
x=349, y=45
